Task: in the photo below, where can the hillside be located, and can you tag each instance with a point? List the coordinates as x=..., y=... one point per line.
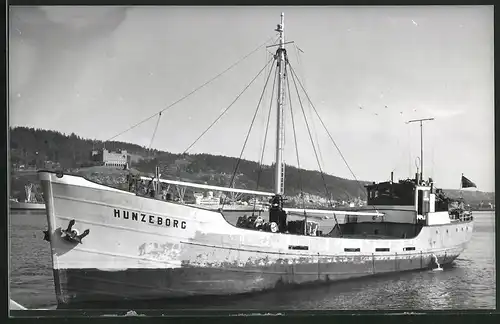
x=31, y=148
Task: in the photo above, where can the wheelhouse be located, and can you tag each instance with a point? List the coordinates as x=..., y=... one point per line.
x=391, y=194
x=421, y=198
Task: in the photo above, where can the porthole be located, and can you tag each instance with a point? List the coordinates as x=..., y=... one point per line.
x=456, y=229
x=446, y=231
x=462, y=229
x=437, y=232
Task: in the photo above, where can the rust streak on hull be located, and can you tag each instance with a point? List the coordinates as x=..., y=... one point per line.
x=93, y=285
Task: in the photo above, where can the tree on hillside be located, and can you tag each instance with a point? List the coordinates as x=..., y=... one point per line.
x=73, y=151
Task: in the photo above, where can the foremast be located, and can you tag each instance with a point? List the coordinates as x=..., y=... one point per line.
x=276, y=213
x=279, y=176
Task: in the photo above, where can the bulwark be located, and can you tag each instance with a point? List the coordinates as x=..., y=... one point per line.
x=150, y=219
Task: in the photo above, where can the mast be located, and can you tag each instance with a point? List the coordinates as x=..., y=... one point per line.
x=279, y=176
x=421, y=144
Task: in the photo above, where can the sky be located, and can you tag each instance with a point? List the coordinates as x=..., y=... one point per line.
x=96, y=71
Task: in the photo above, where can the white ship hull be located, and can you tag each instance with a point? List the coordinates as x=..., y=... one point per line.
x=142, y=248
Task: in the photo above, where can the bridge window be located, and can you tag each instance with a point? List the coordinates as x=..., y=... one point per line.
x=391, y=194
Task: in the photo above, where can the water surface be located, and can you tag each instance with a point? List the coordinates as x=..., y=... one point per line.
x=469, y=283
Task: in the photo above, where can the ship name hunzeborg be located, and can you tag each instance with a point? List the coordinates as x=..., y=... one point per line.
x=109, y=244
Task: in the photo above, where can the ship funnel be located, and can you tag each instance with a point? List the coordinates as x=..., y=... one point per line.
x=392, y=176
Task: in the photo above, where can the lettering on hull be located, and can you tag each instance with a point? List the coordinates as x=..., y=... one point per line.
x=150, y=219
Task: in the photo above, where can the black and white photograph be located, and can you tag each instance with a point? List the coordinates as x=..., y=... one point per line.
x=251, y=158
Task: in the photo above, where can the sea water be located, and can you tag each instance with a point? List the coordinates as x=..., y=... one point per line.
x=469, y=283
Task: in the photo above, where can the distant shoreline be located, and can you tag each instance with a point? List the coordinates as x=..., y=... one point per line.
x=19, y=178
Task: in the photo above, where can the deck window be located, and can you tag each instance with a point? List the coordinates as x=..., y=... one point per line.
x=352, y=249
x=410, y=248
x=298, y=247
x=382, y=250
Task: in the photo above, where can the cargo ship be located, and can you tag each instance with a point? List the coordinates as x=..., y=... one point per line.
x=119, y=245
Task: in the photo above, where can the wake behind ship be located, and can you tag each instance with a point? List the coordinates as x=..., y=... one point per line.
x=110, y=245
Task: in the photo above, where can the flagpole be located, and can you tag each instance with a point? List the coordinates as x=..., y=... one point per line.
x=461, y=179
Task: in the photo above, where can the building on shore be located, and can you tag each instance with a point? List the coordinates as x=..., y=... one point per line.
x=118, y=158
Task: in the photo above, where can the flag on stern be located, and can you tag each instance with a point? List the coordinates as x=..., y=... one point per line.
x=466, y=183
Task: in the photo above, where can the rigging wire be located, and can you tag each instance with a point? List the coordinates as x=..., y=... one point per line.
x=154, y=133
x=315, y=151
x=224, y=112
x=409, y=151
x=310, y=112
x=249, y=131
x=264, y=102
x=263, y=117
x=434, y=144
x=268, y=55
x=301, y=72
x=195, y=90
x=296, y=145
x=265, y=136
x=327, y=131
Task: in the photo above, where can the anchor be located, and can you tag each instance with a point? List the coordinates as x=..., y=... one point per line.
x=72, y=235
